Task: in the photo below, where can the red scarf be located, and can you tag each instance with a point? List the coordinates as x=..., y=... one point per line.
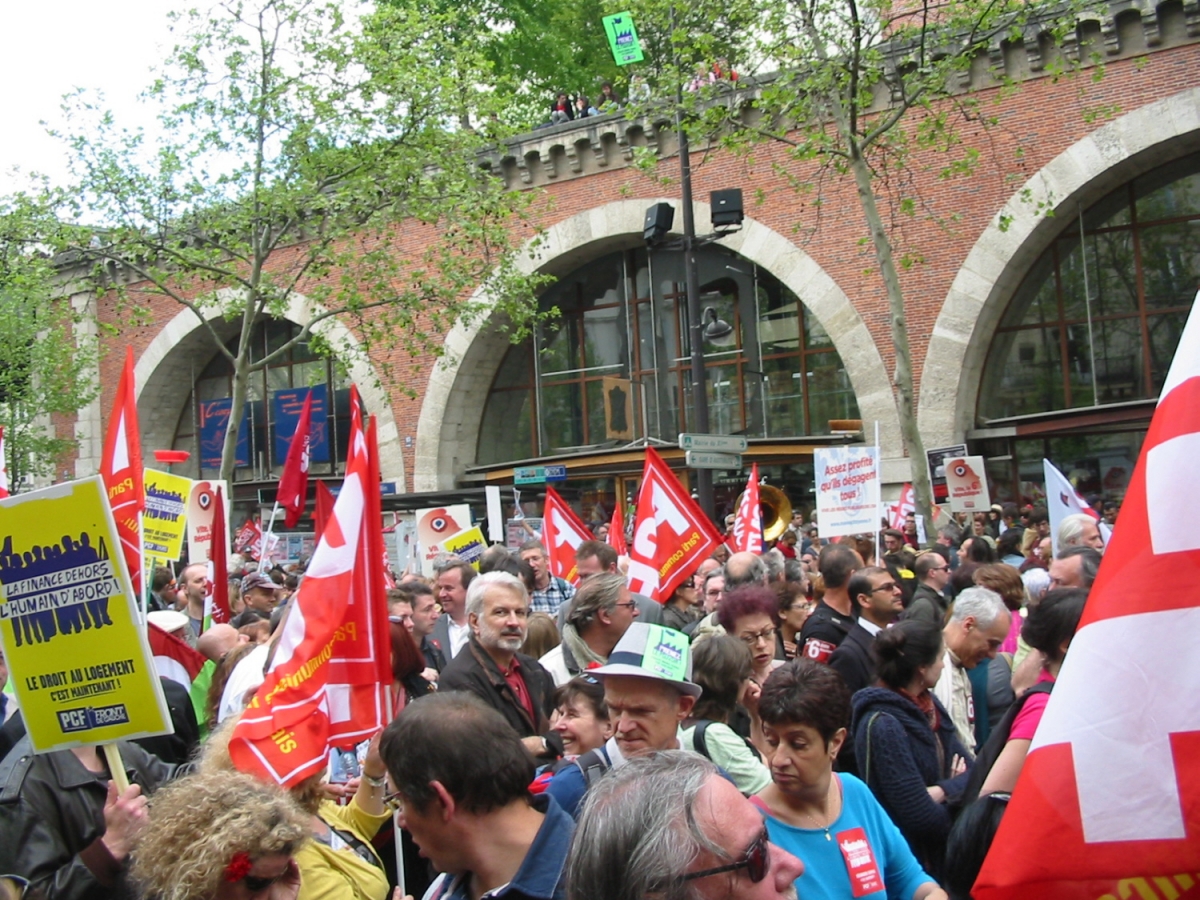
x=924, y=702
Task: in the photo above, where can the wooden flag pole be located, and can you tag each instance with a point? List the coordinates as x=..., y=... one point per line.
x=116, y=768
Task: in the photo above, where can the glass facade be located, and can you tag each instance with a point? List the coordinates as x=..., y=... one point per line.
x=623, y=317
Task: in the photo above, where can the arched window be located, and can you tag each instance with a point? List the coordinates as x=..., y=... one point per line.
x=622, y=331
x=263, y=456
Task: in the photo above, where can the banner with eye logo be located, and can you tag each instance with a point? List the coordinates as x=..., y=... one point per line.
x=201, y=504
x=434, y=526
x=967, y=483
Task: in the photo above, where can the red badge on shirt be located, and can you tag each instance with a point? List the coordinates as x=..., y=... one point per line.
x=814, y=648
x=860, y=862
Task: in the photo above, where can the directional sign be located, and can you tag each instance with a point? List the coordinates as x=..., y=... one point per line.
x=721, y=443
x=699, y=459
x=530, y=475
x=556, y=473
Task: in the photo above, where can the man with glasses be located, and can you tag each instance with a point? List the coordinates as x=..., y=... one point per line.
x=664, y=822
x=601, y=612
x=594, y=558
x=978, y=625
x=877, y=604
x=929, y=603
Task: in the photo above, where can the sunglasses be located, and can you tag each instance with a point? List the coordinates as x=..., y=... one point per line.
x=258, y=885
x=756, y=861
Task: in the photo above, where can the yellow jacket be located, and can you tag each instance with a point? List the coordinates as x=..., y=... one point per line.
x=329, y=874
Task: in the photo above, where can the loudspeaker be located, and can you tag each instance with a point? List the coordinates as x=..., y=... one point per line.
x=659, y=219
x=726, y=208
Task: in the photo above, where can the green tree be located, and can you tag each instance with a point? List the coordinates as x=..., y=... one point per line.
x=857, y=89
x=301, y=156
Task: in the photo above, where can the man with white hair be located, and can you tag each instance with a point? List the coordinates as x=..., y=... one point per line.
x=491, y=668
x=979, y=623
x=1079, y=530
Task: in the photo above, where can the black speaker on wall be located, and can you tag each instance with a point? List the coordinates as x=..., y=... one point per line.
x=659, y=219
x=726, y=208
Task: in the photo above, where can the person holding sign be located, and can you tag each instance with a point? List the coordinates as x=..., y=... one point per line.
x=830, y=820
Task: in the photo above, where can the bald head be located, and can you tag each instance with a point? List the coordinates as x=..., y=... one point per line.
x=218, y=641
x=743, y=569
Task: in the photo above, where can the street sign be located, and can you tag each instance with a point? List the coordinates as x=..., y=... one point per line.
x=700, y=459
x=721, y=443
x=556, y=473
x=529, y=475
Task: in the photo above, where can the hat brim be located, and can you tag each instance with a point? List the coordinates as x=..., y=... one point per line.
x=684, y=687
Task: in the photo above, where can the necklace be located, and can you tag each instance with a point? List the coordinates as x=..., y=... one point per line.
x=818, y=825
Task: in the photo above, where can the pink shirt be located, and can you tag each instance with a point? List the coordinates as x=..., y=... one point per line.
x=1014, y=632
x=1025, y=724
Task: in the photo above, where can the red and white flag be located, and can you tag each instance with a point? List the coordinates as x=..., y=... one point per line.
x=1108, y=801
x=562, y=533
x=293, y=483
x=248, y=535
x=121, y=468
x=1063, y=500
x=3, y=467
x=902, y=507
x=329, y=683
x=216, y=593
x=671, y=534
x=747, y=524
x=616, y=531
x=173, y=658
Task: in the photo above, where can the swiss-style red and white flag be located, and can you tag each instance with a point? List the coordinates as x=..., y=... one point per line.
x=173, y=658
x=902, y=507
x=1062, y=500
x=747, y=524
x=329, y=683
x=671, y=534
x=1108, y=801
x=616, y=531
x=293, y=483
x=121, y=468
x=3, y=467
x=216, y=593
x=562, y=532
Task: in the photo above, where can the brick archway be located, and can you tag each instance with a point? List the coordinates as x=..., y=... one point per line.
x=1083, y=173
x=448, y=427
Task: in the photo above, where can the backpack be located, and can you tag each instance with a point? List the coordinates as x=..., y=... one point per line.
x=994, y=746
x=701, y=745
x=593, y=764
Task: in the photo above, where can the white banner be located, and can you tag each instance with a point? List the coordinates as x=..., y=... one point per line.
x=848, y=494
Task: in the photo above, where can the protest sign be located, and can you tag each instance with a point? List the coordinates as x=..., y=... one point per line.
x=936, y=461
x=623, y=40
x=436, y=524
x=468, y=545
x=518, y=531
x=201, y=503
x=80, y=664
x=847, y=490
x=164, y=519
x=967, y=483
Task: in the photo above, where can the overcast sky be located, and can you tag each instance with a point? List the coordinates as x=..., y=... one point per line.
x=49, y=48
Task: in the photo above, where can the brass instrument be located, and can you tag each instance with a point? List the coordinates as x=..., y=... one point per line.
x=775, y=508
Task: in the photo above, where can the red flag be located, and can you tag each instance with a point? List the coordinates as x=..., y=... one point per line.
x=323, y=508
x=1109, y=795
x=248, y=535
x=671, y=534
x=173, y=658
x=293, y=483
x=121, y=468
x=902, y=507
x=616, y=531
x=747, y=524
x=216, y=595
x=3, y=467
x=329, y=683
x=562, y=532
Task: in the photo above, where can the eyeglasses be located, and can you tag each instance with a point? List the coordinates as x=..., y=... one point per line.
x=890, y=587
x=631, y=604
x=257, y=885
x=764, y=636
x=756, y=861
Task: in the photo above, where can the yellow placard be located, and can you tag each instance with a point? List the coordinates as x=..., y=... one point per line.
x=164, y=521
x=467, y=545
x=76, y=655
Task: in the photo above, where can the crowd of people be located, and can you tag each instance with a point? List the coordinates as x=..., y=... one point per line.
x=820, y=718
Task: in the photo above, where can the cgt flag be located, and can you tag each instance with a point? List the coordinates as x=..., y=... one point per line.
x=671, y=534
x=616, y=531
x=1063, y=500
x=1108, y=801
x=293, y=483
x=902, y=507
x=562, y=532
x=747, y=524
x=329, y=683
x=216, y=591
x=121, y=469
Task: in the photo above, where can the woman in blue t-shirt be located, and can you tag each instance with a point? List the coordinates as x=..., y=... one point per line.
x=831, y=821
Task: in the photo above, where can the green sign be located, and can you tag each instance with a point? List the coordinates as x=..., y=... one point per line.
x=666, y=653
x=623, y=39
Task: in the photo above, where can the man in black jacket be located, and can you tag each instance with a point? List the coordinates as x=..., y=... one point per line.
x=834, y=615
x=928, y=602
x=877, y=600
x=491, y=667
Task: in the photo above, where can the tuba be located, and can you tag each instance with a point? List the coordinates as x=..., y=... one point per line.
x=775, y=509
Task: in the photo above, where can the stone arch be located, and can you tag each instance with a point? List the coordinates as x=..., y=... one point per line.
x=164, y=378
x=1083, y=173
x=448, y=427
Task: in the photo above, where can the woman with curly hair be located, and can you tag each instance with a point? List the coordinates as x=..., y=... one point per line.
x=220, y=836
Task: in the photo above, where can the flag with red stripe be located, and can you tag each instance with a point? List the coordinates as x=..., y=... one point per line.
x=292, y=494
x=747, y=524
x=121, y=468
x=562, y=533
x=616, y=531
x=216, y=594
x=173, y=658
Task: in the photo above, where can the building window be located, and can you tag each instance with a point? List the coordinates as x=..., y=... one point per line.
x=300, y=367
x=621, y=335
x=1097, y=319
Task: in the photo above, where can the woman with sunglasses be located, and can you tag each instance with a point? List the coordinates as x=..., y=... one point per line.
x=829, y=820
x=220, y=836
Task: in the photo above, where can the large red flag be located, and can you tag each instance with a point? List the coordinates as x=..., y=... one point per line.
x=121, y=468
x=562, y=532
x=747, y=524
x=216, y=595
x=1108, y=801
x=293, y=483
x=3, y=467
x=329, y=683
x=323, y=507
x=616, y=531
x=671, y=534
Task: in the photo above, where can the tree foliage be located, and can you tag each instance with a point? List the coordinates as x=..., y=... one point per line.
x=309, y=159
